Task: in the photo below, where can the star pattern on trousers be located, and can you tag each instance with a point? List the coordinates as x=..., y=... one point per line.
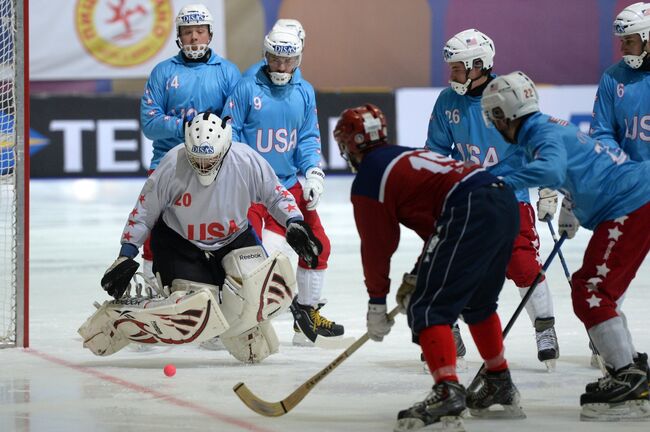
x=614, y=233
x=621, y=220
x=602, y=270
x=593, y=301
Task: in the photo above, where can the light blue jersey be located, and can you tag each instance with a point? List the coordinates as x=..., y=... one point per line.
x=457, y=129
x=280, y=122
x=602, y=181
x=176, y=91
x=622, y=110
x=252, y=70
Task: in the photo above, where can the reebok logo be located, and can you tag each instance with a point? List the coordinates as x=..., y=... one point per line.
x=250, y=256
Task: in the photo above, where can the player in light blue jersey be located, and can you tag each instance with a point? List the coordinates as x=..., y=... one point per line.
x=195, y=80
x=286, y=24
x=622, y=107
x=274, y=112
x=456, y=128
x=605, y=192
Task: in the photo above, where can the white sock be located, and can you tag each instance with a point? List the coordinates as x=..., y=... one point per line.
x=310, y=285
x=540, y=304
x=611, y=341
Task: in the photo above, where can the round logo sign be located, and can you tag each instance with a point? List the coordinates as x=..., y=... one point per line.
x=123, y=33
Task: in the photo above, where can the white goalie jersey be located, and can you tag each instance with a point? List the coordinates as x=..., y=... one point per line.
x=208, y=216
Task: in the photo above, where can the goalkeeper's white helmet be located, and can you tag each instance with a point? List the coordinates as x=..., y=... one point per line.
x=283, y=42
x=207, y=141
x=634, y=19
x=193, y=15
x=469, y=47
x=509, y=97
x=292, y=24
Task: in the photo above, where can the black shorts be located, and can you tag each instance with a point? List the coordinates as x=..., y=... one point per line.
x=177, y=258
x=463, y=265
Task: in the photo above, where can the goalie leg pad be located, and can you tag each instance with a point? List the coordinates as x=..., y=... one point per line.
x=179, y=319
x=253, y=345
x=263, y=294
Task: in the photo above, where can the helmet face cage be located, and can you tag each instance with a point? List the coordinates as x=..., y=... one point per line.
x=509, y=97
x=207, y=141
x=359, y=130
x=193, y=15
x=634, y=19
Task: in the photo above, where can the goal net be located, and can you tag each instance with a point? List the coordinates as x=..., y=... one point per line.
x=14, y=174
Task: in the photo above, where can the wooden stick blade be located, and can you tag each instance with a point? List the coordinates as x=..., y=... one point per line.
x=262, y=407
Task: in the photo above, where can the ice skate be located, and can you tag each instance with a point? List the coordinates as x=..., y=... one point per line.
x=494, y=388
x=548, y=350
x=622, y=396
x=308, y=319
x=442, y=408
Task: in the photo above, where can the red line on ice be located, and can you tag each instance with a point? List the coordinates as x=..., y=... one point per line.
x=146, y=390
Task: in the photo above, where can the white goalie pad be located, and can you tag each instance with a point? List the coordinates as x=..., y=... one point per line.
x=254, y=345
x=184, y=317
x=256, y=289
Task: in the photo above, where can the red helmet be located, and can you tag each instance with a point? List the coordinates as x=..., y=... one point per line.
x=359, y=130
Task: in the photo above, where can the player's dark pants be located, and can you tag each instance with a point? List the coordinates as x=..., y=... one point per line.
x=463, y=266
x=178, y=258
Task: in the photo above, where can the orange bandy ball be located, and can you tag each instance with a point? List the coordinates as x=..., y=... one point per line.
x=170, y=370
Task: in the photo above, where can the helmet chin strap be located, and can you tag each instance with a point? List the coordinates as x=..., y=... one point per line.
x=459, y=88
x=635, y=61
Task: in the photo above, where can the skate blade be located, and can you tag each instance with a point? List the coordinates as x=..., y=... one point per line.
x=446, y=424
x=334, y=342
x=629, y=411
x=508, y=412
x=550, y=365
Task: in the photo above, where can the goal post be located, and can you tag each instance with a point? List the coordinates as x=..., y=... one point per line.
x=14, y=173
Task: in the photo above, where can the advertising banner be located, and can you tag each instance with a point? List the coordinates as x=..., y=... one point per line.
x=107, y=39
x=101, y=136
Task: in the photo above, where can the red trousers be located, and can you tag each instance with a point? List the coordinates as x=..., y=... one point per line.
x=525, y=263
x=613, y=256
x=260, y=219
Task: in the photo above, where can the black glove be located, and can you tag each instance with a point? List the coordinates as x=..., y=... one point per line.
x=118, y=276
x=302, y=240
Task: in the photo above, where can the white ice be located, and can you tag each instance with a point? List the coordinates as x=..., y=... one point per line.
x=57, y=385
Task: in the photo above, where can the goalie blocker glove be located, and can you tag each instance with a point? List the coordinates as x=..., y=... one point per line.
x=302, y=240
x=118, y=276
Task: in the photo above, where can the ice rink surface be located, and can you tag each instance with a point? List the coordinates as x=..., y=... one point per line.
x=57, y=385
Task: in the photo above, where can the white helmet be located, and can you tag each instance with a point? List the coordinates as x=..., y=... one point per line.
x=283, y=43
x=634, y=19
x=468, y=47
x=292, y=24
x=192, y=15
x=207, y=141
x=509, y=97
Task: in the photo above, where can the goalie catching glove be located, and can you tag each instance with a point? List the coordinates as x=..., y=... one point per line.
x=314, y=187
x=547, y=204
x=118, y=276
x=302, y=240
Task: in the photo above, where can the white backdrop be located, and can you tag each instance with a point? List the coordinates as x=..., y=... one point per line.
x=414, y=106
x=107, y=39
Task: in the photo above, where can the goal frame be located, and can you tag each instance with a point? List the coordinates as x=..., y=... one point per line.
x=21, y=177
